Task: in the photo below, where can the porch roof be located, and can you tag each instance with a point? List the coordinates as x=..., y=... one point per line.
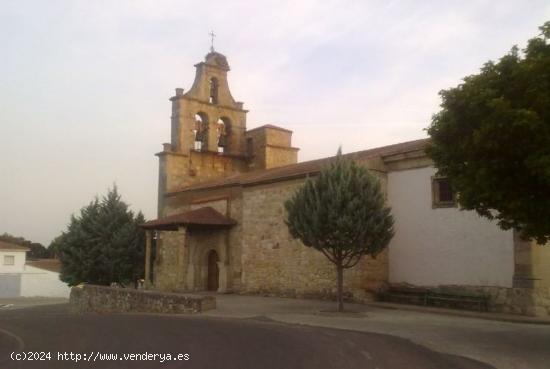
x=202, y=217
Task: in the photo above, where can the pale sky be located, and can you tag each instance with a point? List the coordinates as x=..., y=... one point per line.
x=84, y=85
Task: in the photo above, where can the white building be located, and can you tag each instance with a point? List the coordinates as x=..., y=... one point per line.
x=438, y=245
x=22, y=278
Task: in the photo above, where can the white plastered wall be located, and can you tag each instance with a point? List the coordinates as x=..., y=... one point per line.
x=37, y=282
x=443, y=246
x=19, y=261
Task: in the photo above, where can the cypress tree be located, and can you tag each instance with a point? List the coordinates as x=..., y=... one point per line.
x=104, y=244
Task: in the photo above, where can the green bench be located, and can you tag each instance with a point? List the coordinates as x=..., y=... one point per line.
x=415, y=296
x=453, y=300
x=428, y=297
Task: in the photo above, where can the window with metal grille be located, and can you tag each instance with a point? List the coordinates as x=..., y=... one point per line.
x=9, y=260
x=442, y=193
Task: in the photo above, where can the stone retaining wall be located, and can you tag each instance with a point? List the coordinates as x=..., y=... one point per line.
x=115, y=300
x=522, y=301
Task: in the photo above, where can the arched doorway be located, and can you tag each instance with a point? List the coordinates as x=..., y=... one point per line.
x=213, y=271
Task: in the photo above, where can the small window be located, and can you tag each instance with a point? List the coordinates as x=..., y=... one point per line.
x=9, y=260
x=213, y=98
x=443, y=195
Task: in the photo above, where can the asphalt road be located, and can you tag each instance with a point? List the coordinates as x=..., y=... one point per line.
x=209, y=343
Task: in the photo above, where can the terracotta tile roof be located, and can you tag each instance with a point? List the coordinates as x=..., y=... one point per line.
x=300, y=169
x=12, y=247
x=205, y=216
x=53, y=265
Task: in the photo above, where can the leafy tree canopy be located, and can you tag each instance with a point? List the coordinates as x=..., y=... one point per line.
x=341, y=213
x=37, y=250
x=104, y=244
x=492, y=139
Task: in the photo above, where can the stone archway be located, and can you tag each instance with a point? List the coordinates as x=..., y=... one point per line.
x=213, y=271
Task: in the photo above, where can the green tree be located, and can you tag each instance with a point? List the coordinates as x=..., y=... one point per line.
x=492, y=139
x=53, y=248
x=6, y=237
x=37, y=250
x=104, y=244
x=341, y=213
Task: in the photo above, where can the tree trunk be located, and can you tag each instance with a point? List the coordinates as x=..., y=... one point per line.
x=340, y=288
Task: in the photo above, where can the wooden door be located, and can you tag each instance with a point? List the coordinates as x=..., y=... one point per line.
x=213, y=271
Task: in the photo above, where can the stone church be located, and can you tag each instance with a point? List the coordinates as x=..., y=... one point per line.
x=221, y=216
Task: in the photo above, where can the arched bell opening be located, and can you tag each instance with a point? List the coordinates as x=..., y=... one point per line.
x=201, y=131
x=224, y=131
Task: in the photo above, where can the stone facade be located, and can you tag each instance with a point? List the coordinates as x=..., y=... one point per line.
x=270, y=147
x=276, y=264
x=257, y=255
x=247, y=175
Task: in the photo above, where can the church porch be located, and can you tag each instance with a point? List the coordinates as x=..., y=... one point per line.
x=188, y=252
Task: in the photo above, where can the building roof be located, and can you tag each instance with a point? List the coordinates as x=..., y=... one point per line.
x=12, y=247
x=53, y=265
x=205, y=216
x=301, y=169
x=271, y=126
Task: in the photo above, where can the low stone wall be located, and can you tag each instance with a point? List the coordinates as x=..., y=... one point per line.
x=522, y=301
x=115, y=300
